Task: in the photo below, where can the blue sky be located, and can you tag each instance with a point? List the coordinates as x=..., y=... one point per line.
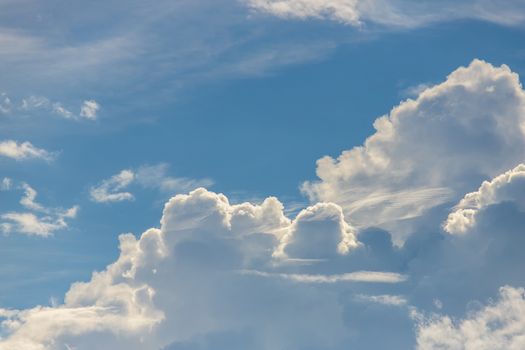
x=109, y=109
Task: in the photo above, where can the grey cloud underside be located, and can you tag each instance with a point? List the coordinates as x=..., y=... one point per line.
x=217, y=275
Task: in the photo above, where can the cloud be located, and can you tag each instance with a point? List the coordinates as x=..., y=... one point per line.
x=22, y=151
x=110, y=190
x=358, y=276
x=307, y=241
x=499, y=325
x=32, y=104
x=147, y=176
x=39, y=220
x=141, y=300
x=391, y=13
x=429, y=151
x=385, y=299
x=89, y=109
x=345, y=11
x=6, y=184
x=509, y=186
x=236, y=276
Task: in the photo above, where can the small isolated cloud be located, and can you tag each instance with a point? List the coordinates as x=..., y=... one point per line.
x=148, y=176
x=38, y=220
x=89, y=109
x=500, y=325
x=509, y=186
x=23, y=151
x=41, y=104
x=110, y=190
x=6, y=184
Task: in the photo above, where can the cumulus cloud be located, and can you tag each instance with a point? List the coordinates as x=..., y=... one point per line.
x=509, y=186
x=499, y=325
x=89, y=109
x=392, y=13
x=330, y=234
x=38, y=220
x=22, y=151
x=199, y=252
x=147, y=176
x=430, y=150
x=237, y=276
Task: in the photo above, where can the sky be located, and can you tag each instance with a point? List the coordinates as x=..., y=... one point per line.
x=262, y=174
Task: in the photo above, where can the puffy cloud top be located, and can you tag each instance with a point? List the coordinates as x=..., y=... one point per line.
x=430, y=150
x=509, y=186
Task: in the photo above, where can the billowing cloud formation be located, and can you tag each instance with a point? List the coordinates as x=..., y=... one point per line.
x=37, y=220
x=22, y=151
x=245, y=276
x=393, y=13
x=499, y=325
x=430, y=150
x=509, y=186
x=203, y=245
x=147, y=176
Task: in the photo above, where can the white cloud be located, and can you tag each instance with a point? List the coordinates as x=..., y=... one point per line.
x=23, y=151
x=89, y=109
x=307, y=241
x=385, y=299
x=430, y=150
x=110, y=190
x=155, y=176
x=6, y=184
x=499, y=325
x=345, y=11
x=509, y=186
x=62, y=111
x=141, y=300
x=147, y=176
x=5, y=103
x=39, y=220
x=392, y=13
x=245, y=276
x=357, y=276
x=41, y=104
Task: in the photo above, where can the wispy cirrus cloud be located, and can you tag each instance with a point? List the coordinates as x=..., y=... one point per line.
x=146, y=176
x=34, y=104
x=392, y=13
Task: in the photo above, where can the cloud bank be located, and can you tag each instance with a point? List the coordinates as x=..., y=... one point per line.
x=220, y=275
